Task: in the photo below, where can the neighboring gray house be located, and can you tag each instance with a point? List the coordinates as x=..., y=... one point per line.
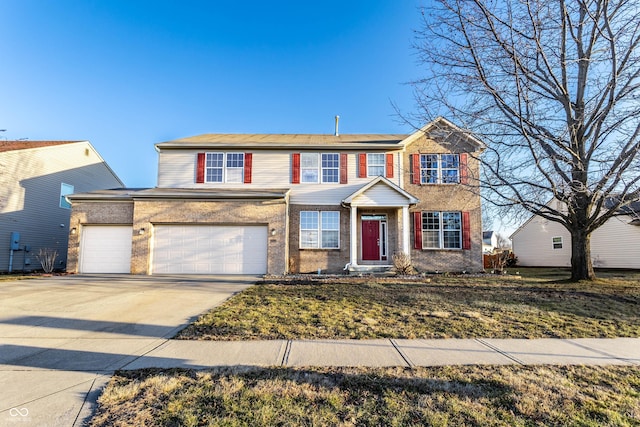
x=542, y=243
x=290, y=203
x=35, y=177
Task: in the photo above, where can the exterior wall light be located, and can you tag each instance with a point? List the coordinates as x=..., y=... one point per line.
x=74, y=230
x=141, y=231
x=273, y=231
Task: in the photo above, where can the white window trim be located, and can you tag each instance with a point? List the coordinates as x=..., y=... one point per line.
x=441, y=231
x=439, y=169
x=553, y=244
x=319, y=230
x=370, y=163
x=65, y=190
x=224, y=168
x=320, y=169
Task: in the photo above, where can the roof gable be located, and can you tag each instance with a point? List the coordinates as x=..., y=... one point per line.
x=447, y=134
x=26, y=145
x=380, y=188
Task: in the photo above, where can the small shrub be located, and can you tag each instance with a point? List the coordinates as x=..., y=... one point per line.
x=402, y=264
x=47, y=258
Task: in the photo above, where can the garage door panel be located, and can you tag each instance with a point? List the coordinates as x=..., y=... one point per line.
x=198, y=249
x=105, y=249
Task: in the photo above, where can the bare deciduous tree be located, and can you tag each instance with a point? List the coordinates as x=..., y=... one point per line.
x=553, y=88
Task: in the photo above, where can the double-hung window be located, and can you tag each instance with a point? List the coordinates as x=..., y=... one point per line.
x=224, y=167
x=319, y=230
x=557, y=242
x=375, y=164
x=441, y=230
x=316, y=168
x=439, y=168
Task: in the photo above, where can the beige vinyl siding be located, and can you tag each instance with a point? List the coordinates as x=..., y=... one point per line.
x=30, y=197
x=380, y=195
x=533, y=244
x=270, y=169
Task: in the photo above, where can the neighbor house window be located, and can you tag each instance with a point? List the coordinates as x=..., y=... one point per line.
x=557, y=242
x=441, y=230
x=439, y=168
x=375, y=164
x=65, y=190
x=224, y=167
x=319, y=230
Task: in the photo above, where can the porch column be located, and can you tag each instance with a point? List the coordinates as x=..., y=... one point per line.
x=354, y=235
x=406, y=235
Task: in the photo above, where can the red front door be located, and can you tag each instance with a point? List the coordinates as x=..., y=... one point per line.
x=371, y=240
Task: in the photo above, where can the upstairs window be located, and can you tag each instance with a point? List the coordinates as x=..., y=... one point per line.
x=65, y=190
x=439, y=168
x=375, y=164
x=224, y=167
x=556, y=242
x=316, y=168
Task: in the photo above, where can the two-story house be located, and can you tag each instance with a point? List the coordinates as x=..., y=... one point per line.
x=35, y=178
x=285, y=203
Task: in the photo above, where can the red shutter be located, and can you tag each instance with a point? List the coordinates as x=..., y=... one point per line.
x=466, y=231
x=248, y=161
x=464, y=170
x=200, y=168
x=343, y=168
x=295, y=168
x=362, y=165
x=389, y=165
x=417, y=230
x=415, y=169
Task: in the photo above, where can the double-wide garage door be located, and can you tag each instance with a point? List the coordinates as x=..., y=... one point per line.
x=209, y=249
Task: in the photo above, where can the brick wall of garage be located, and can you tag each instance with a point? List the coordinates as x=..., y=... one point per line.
x=272, y=213
x=310, y=260
x=94, y=213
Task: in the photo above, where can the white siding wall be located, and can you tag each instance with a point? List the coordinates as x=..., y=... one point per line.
x=533, y=244
x=270, y=169
x=614, y=245
x=30, y=197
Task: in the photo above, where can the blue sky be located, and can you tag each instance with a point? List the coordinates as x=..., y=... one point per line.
x=128, y=74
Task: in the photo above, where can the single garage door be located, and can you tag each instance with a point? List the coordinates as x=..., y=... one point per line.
x=209, y=249
x=105, y=249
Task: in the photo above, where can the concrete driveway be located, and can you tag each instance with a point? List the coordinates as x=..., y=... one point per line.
x=61, y=338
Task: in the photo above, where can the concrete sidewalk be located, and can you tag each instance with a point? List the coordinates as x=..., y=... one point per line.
x=391, y=352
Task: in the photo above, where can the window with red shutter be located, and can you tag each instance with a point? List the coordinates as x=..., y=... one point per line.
x=415, y=169
x=362, y=165
x=417, y=230
x=295, y=168
x=343, y=168
x=464, y=170
x=200, y=168
x=248, y=162
x=466, y=231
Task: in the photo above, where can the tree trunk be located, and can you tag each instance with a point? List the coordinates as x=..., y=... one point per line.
x=581, y=265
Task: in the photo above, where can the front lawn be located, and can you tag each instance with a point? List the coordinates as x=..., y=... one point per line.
x=532, y=306
x=454, y=396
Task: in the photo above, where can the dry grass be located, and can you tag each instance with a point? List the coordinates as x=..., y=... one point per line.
x=455, y=396
x=534, y=306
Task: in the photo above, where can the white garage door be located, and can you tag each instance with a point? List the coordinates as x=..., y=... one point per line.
x=105, y=249
x=209, y=249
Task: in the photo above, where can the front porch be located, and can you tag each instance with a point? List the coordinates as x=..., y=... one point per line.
x=379, y=226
